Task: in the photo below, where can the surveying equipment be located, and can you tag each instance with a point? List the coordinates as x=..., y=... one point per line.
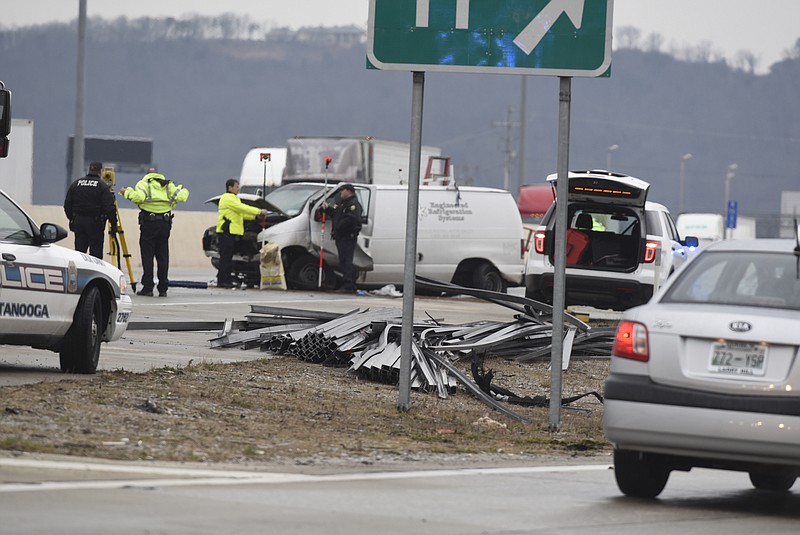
x=116, y=236
x=265, y=157
x=322, y=234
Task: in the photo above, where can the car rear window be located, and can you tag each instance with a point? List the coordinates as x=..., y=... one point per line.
x=653, y=223
x=762, y=279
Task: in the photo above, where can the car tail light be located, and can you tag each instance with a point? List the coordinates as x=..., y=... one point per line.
x=538, y=241
x=631, y=341
x=650, y=251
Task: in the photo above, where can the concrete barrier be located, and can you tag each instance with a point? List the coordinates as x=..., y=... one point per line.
x=185, y=242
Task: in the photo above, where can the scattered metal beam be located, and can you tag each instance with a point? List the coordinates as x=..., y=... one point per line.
x=367, y=341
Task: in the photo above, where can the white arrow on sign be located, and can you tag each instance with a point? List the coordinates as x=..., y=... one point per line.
x=529, y=38
x=462, y=14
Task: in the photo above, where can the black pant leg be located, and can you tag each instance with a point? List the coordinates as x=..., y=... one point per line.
x=96, y=239
x=225, y=244
x=81, y=241
x=346, y=250
x=82, y=228
x=162, y=255
x=148, y=233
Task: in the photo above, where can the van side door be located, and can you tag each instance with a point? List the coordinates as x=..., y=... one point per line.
x=321, y=232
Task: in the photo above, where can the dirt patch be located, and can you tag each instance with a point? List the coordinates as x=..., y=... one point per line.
x=285, y=411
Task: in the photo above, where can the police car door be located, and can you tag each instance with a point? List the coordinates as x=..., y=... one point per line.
x=34, y=298
x=362, y=258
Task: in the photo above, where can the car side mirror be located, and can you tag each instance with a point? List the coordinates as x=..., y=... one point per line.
x=5, y=119
x=51, y=233
x=691, y=241
x=5, y=111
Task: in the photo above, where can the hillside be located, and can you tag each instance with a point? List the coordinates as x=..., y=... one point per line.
x=205, y=101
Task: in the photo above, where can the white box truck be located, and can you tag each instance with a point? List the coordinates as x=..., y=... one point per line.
x=362, y=160
x=262, y=170
x=470, y=236
x=16, y=170
x=710, y=227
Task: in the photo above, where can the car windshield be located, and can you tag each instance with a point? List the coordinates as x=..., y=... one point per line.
x=752, y=278
x=14, y=225
x=291, y=198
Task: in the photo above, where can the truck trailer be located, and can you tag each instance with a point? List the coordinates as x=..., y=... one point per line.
x=358, y=160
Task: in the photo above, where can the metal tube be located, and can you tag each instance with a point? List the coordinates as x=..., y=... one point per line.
x=80, y=74
x=559, y=275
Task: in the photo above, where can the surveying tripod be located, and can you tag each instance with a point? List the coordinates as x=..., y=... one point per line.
x=116, y=236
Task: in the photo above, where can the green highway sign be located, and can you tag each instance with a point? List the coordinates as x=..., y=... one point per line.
x=539, y=37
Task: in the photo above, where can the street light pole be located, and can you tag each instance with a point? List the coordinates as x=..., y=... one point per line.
x=613, y=148
x=685, y=157
x=78, y=139
x=728, y=177
x=508, y=124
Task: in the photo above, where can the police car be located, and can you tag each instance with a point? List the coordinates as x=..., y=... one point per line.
x=620, y=246
x=56, y=298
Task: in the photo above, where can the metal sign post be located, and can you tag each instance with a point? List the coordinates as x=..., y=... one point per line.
x=559, y=273
x=409, y=282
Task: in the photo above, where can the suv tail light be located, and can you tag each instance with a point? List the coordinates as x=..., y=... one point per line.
x=631, y=341
x=539, y=240
x=650, y=251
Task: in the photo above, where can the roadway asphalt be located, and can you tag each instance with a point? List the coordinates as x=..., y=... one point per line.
x=140, y=349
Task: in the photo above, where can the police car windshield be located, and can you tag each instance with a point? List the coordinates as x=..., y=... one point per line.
x=292, y=197
x=14, y=226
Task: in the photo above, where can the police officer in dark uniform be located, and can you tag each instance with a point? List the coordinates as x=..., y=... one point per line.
x=346, y=215
x=89, y=204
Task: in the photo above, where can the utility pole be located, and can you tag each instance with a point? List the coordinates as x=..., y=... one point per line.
x=508, y=124
x=77, y=147
x=522, y=120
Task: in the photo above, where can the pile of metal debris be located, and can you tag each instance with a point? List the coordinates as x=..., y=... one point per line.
x=367, y=341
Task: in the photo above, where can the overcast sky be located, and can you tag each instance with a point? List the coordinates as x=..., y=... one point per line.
x=764, y=27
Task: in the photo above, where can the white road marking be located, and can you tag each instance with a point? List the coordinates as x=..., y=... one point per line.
x=196, y=477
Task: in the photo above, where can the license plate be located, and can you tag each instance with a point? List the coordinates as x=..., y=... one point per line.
x=738, y=358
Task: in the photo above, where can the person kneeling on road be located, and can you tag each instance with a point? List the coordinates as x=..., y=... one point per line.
x=231, y=216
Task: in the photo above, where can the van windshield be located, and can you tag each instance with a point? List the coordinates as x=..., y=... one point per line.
x=291, y=198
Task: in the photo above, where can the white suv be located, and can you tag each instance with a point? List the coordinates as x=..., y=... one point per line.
x=56, y=298
x=620, y=247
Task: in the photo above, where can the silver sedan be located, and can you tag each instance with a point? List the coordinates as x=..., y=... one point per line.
x=707, y=374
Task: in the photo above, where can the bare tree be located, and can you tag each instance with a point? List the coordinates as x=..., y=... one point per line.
x=746, y=60
x=628, y=37
x=794, y=52
x=654, y=42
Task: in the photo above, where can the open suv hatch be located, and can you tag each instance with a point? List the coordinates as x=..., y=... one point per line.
x=620, y=247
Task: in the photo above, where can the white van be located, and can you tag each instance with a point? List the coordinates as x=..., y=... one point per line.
x=710, y=227
x=470, y=236
x=262, y=169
